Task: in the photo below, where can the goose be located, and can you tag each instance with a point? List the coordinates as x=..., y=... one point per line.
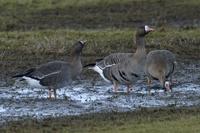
x=55, y=74
x=160, y=65
x=124, y=68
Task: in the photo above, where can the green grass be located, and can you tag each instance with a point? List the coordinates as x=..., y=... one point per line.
x=20, y=50
x=169, y=120
x=96, y=14
x=36, y=31
x=100, y=42
x=46, y=4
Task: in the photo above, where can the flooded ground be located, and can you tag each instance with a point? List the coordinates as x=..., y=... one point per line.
x=85, y=96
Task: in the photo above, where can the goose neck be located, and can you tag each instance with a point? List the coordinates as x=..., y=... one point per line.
x=75, y=58
x=140, y=43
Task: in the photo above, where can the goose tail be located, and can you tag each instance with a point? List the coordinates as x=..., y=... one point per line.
x=28, y=72
x=90, y=65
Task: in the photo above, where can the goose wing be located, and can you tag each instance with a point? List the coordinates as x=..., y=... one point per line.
x=49, y=68
x=121, y=73
x=112, y=59
x=58, y=78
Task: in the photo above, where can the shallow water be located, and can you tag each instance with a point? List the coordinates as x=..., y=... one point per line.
x=20, y=101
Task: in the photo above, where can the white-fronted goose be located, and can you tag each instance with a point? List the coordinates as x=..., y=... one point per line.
x=55, y=74
x=160, y=65
x=124, y=68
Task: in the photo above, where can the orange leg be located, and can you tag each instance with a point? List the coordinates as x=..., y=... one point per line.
x=148, y=81
x=50, y=93
x=115, y=87
x=55, y=96
x=148, y=84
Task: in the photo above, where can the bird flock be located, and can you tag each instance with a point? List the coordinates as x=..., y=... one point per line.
x=116, y=68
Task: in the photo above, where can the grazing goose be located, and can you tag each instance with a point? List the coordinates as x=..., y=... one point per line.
x=160, y=65
x=124, y=68
x=55, y=74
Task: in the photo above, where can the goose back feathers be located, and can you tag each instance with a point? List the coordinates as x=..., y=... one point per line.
x=113, y=59
x=124, y=68
x=56, y=73
x=122, y=73
x=160, y=65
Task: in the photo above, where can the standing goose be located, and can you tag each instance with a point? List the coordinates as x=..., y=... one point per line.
x=160, y=65
x=55, y=74
x=124, y=68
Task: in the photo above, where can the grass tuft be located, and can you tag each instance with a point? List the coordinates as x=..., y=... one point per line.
x=96, y=14
x=21, y=50
x=168, y=120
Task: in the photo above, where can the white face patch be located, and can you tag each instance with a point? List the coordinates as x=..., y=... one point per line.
x=83, y=42
x=146, y=28
x=167, y=85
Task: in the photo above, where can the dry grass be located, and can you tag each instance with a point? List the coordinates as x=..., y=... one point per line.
x=37, y=31
x=96, y=14
x=21, y=50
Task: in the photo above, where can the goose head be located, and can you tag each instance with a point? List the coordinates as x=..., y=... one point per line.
x=77, y=47
x=167, y=86
x=143, y=30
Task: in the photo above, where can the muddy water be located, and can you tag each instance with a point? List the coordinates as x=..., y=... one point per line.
x=20, y=101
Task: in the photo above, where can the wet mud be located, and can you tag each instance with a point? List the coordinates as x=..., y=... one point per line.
x=20, y=101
